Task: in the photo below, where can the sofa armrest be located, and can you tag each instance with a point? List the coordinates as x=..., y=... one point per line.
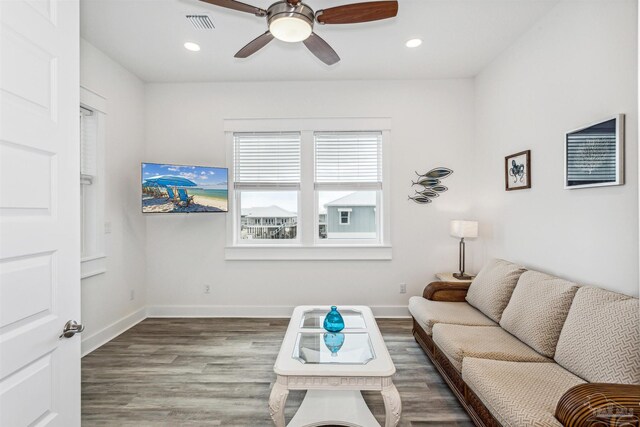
x=600, y=404
x=446, y=291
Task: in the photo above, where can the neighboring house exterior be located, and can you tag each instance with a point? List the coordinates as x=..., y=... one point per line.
x=352, y=216
x=270, y=222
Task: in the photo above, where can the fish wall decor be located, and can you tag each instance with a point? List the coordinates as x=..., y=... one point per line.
x=431, y=183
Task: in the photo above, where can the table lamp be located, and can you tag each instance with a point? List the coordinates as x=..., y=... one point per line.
x=462, y=230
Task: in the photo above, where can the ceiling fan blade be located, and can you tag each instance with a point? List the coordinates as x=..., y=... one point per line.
x=321, y=49
x=236, y=5
x=255, y=45
x=358, y=12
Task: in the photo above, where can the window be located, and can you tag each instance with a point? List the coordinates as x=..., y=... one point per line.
x=310, y=184
x=348, y=183
x=345, y=217
x=88, y=175
x=267, y=183
x=91, y=180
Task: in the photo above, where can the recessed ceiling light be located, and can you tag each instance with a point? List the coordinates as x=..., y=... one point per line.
x=193, y=47
x=413, y=43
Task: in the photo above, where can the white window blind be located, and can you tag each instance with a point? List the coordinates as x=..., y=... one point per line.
x=352, y=159
x=266, y=160
x=88, y=146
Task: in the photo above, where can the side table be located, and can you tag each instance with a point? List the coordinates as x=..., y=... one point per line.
x=448, y=277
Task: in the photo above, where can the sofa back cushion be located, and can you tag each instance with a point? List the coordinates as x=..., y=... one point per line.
x=600, y=340
x=491, y=290
x=537, y=310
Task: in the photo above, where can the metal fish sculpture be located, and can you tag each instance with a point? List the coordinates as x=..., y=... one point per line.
x=431, y=181
x=440, y=172
x=427, y=193
x=420, y=199
x=426, y=182
x=439, y=188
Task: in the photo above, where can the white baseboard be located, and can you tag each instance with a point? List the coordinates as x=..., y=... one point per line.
x=253, y=311
x=105, y=335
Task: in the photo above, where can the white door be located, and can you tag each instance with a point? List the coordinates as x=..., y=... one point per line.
x=39, y=213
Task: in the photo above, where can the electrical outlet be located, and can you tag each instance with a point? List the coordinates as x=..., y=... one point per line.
x=107, y=227
x=207, y=289
x=132, y=295
x=403, y=288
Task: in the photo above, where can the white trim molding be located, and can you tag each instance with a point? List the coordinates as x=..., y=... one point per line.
x=263, y=311
x=99, y=338
x=308, y=253
x=93, y=266
x=103, y=336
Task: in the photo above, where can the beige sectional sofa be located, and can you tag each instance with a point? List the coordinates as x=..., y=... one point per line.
x=523, y=348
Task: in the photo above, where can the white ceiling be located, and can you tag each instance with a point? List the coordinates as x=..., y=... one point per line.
x=460, y=38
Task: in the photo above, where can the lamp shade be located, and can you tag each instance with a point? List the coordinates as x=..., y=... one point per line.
x=462, y=229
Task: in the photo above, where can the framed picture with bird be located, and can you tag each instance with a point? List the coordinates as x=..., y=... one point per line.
x=517, y=171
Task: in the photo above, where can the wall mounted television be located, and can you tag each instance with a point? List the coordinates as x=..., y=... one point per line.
x=183, y=189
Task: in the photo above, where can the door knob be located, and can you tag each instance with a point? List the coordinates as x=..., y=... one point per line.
x=71, y=328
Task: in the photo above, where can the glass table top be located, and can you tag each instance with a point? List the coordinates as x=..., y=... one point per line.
x=349, y=348
x=313, y=319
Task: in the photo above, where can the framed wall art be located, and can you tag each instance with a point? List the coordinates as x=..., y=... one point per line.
x=517, y=171
x=594, y=154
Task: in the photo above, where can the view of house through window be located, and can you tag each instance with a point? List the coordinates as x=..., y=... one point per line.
x=269, y=215
x=347, y=215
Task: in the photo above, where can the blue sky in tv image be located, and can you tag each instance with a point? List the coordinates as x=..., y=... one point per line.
x=186, y=189
x=204, y=177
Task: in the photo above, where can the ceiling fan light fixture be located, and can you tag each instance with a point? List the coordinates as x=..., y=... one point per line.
x=290, y=23
x=290, y=29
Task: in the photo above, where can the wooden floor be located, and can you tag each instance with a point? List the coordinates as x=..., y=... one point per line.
x=218, y=372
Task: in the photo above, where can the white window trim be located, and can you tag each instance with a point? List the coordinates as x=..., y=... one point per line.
x=308, y=246
x=348, y=211
x=96, y=263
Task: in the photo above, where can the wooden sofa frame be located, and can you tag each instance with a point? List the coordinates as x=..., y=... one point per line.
x=572, y=410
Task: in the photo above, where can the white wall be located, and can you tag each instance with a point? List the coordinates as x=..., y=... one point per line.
x=576, y=66
x=432, y=126
x=106, y=305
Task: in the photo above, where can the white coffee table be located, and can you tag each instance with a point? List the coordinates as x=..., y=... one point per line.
x=333, y=380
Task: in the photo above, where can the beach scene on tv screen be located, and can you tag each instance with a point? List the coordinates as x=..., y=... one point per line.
x=174, y=188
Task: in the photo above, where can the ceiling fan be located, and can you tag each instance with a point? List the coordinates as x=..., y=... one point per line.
x=292, y=21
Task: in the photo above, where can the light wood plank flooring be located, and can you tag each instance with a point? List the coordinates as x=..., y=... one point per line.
x=218, y=372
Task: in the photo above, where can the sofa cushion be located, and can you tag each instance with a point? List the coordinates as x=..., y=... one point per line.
x=484, y=342
x=537, y=310
x=519, y=393
x=600, y=340
x=491, y=289
x=428, y=313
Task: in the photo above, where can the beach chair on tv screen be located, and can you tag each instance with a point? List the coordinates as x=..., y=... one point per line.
x=172, y=195
x=185, y=199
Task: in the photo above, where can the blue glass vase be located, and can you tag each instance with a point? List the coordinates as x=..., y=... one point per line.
x=334, y=341
x=333, y=321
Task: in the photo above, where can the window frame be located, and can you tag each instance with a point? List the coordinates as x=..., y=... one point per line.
x=95, y=263
x=237, y=204
x=308, y=245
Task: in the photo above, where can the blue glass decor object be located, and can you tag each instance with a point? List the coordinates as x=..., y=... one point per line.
x=333, y=321
x=334, y=341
